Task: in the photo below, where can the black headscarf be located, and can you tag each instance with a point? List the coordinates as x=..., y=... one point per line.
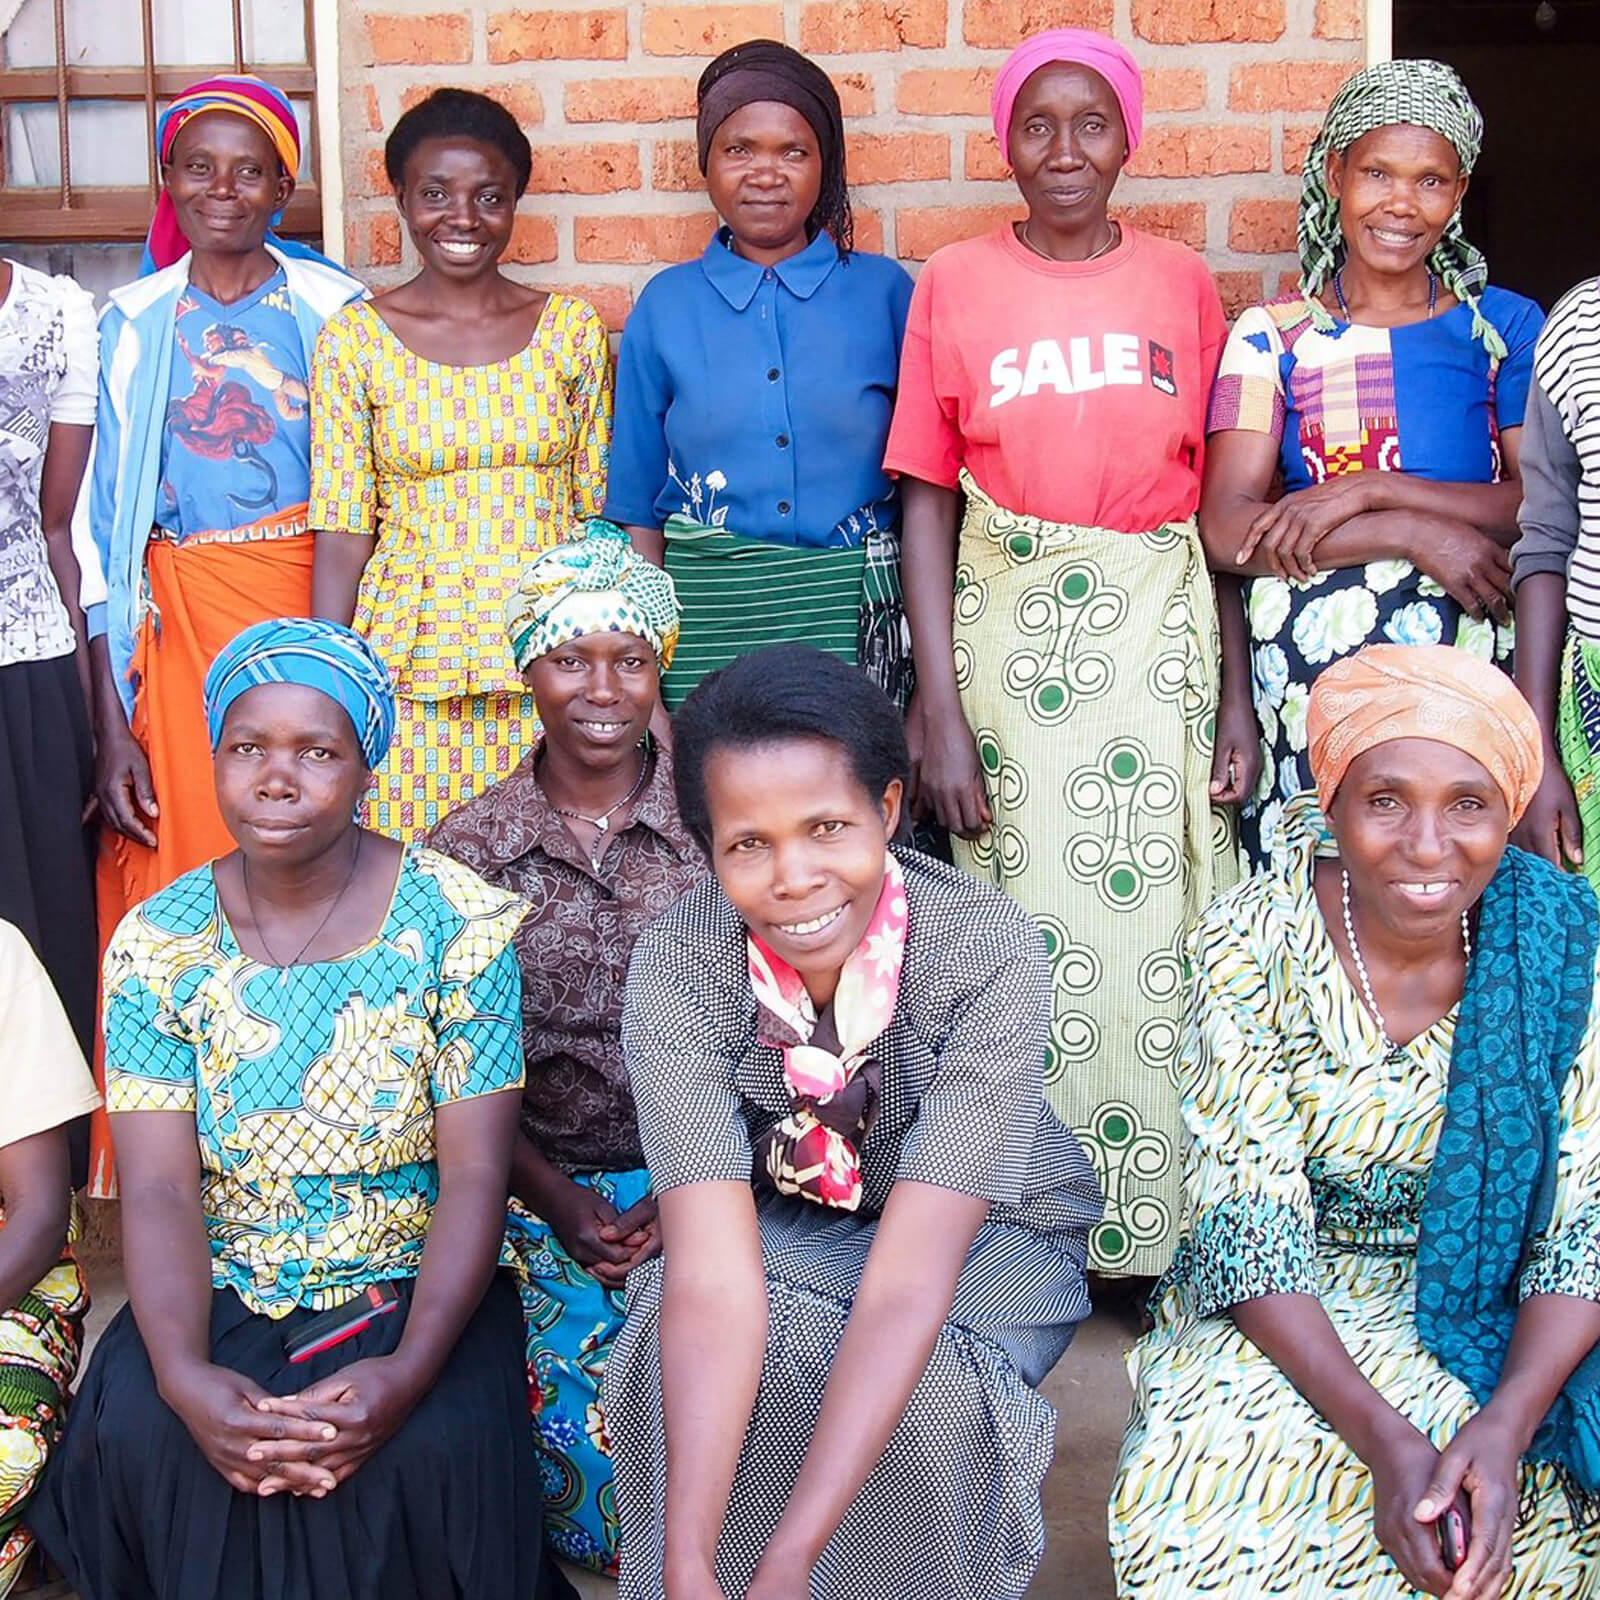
x=763, y=69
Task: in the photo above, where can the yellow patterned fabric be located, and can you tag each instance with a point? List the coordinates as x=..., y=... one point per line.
x=445, y=753
x=461, y=474
x=314, y=1087
x=1309, y=1154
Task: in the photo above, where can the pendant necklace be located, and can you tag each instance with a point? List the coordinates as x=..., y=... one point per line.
x=602, y=823
x=1395, y=1052
x=1344, y=305
x=1027, y=239
x=333, y=905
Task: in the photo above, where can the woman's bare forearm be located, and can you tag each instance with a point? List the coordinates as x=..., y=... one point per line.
x=929, y=533
x=339, y=562
x=1553, y=1334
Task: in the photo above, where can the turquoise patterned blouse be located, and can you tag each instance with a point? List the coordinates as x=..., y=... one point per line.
x=313, y=1087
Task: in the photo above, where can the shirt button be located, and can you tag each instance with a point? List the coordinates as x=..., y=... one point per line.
x=766, y=274
x=783, y=508
x=783, y=441
x=772, y=374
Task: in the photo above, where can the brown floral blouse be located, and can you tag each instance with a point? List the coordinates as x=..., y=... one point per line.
x=573, y=948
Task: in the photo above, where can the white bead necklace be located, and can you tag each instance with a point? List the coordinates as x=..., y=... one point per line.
x=1396, y=1052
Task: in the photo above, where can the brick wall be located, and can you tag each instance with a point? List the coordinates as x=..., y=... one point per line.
x=1234, y=91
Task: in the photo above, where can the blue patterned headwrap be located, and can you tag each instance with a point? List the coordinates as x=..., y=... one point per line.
x=313, y=652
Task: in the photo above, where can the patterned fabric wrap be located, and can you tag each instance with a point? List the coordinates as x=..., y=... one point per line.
x=1425, y=691
x=1578, y=737
x=1420, y=94
x=1081, y=47
x=1492, y=1187
x=595, y=584
x=812, y=1152
x=242, y=96
x=321, y=655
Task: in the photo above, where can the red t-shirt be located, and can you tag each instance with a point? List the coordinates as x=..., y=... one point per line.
x=1074, y=391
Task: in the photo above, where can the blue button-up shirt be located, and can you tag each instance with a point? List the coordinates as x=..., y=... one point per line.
x=758, y=399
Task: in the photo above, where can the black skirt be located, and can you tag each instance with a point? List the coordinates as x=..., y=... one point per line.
x=448, y=1509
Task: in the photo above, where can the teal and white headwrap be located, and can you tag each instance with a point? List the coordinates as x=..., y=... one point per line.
x=594, y=584
x=317, y=654
x=1419, y=94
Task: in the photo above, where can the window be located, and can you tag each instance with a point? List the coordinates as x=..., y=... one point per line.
x=81, y=85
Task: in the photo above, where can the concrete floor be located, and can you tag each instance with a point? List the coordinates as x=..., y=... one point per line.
x=1089, y=1390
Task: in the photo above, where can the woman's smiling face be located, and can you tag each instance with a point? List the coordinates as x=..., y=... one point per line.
x=798, y=845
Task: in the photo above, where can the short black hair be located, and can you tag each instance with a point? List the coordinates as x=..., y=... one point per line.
x=458, y=114
x=786, y=691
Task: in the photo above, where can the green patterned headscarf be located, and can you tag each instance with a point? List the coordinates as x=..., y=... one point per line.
x=1420, y=94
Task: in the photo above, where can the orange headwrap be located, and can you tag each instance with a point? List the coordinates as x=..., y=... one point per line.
x=1430, y=691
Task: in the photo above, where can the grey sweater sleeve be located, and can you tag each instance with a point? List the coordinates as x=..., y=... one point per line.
x=1550, y=472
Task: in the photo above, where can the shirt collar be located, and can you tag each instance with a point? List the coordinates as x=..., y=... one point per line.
x=737, y=280
x=522, y=818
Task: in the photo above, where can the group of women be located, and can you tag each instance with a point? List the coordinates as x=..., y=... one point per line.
x=519, y=993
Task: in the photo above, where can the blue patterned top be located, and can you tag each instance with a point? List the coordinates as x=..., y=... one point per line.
x=313, y=1087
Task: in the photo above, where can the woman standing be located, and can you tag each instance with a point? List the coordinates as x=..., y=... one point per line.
x=873, y=1226
x=461, y=424
x=1388, y=390
x=1068, y=713
x=314, y=1067
x=587, y=832
x=755, y=388
x=47, y=404
x=1373, y=1371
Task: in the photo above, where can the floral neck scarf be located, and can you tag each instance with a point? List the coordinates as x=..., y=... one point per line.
x=833, y=1094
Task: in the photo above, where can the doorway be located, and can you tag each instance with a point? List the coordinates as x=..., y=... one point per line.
x=1534, y=68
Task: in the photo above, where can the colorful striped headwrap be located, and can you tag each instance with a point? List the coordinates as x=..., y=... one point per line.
x=313, y=652
x=243, y=96
x=594, y=584
x=1418, y=94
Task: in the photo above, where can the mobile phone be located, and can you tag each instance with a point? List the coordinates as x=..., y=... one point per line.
x=1455, y=1533
x=333, y=1327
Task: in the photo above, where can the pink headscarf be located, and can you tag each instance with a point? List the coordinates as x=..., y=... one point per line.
x=1077, y=47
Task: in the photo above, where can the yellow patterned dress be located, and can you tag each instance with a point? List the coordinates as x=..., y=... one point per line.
x=462, y=474
x=1308, y=1157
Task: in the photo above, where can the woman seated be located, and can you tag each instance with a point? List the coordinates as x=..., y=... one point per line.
x=586, y=830
x=45, y=1087
x=1373, y=1368
x=874, y=1230
x=313, y=1070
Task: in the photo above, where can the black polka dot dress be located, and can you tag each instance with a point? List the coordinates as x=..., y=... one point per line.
x=951, y=1511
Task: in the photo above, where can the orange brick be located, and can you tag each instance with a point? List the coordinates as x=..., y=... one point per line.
x=1186, y=150
x=675, y=166
x=830, y=26
x=999, y=24
x=1240, y=290
x=558, y=36
x=520, y=99
x=983, y=158
x=630, y=99
x=1297, y=139
x=639, y=241
x=372, y=179
x=869, y=229
x=1286, y=85
x=920, y=230
x=435, y=38
x=374, y=115
x=897, y=157
x=1183, y=220
x=1340, y=19
x=1262, y=227
x=1174, y=89
x=372, y=242
x=1208, y=21
x=945, y=91
x=533, y=239
x=857, y=98
x=612, y=300
x=707, y=30
x=585, y=168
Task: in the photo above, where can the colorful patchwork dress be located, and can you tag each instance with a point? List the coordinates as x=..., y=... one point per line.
x=461, y=473
x=1424, y=399
x=1311, y=1147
